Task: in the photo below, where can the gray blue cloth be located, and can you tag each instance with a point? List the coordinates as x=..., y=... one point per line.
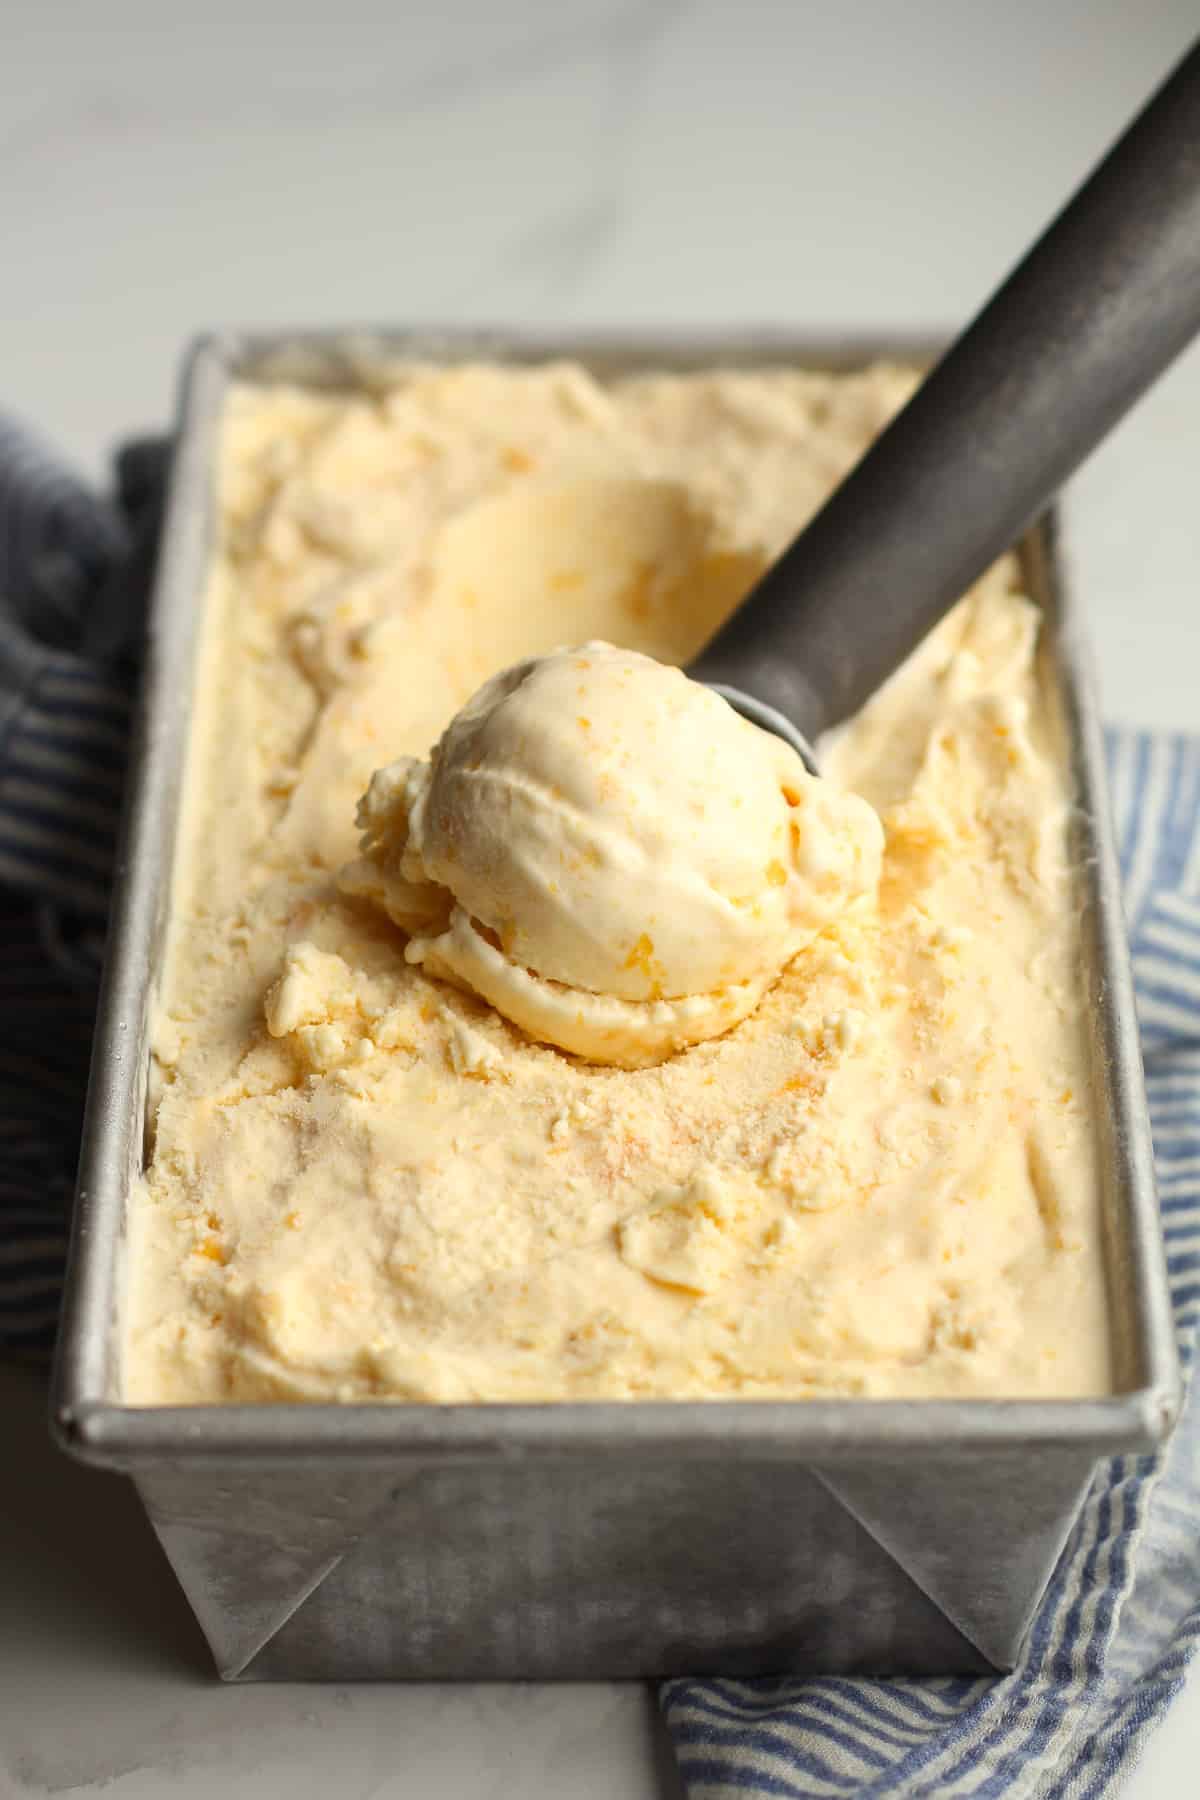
x=1120, y=1620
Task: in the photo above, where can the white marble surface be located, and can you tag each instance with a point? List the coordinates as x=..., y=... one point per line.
x=851, y=165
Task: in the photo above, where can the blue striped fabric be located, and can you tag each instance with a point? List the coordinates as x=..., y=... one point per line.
x=63, y=723
x=1106, y=1653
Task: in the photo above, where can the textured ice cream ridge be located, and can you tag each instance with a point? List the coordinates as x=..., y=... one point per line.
x=366, y=1182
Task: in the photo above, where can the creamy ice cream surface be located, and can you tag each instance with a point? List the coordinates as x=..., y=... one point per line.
x=609, y=855
x=431, y=1117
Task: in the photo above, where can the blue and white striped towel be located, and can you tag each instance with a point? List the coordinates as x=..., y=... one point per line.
x=71, y=585
x=1107, y=1651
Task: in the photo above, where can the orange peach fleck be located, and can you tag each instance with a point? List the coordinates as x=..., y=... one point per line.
x=638, y=592
x=639, y=956
x=798, y=1084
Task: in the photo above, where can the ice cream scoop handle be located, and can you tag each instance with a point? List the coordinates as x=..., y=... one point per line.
x=1105, y=299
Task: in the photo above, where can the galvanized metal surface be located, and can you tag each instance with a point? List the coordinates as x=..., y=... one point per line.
x=600, y=1538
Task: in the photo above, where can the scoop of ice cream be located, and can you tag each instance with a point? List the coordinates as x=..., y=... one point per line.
x=609, y=854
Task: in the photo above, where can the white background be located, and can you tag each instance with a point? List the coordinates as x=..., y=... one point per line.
x=847, y=166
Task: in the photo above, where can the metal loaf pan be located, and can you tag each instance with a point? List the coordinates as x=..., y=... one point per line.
x=596, y=1539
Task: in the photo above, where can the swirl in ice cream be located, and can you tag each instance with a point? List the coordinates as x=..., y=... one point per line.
x=609, y=855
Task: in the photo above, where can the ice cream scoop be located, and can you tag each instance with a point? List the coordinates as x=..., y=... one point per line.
x=1100, y=305
x=610, y=855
